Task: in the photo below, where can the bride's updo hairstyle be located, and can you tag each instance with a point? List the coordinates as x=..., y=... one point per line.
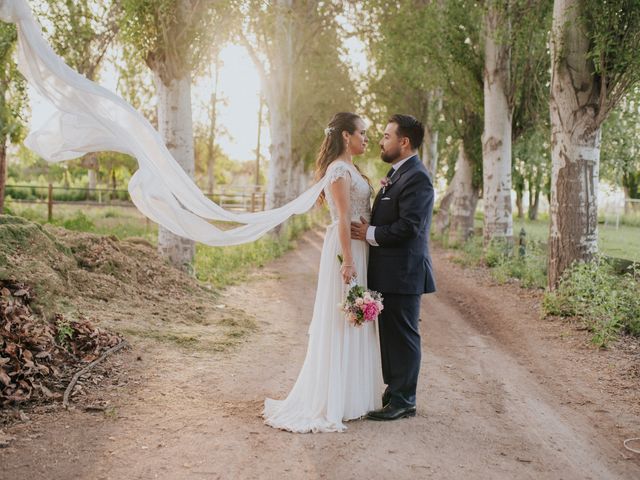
x=333, y=145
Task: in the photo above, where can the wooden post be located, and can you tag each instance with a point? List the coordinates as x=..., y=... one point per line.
x=264, y=200
x=253, y=201
x=50, y=204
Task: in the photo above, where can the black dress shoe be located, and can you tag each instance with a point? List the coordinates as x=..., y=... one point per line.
x=386, y=398
x=389, y=412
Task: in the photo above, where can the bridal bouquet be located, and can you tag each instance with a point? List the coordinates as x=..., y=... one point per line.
x=361, y=305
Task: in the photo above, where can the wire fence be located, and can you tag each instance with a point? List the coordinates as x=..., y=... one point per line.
x=250, y=198
x=627, y=211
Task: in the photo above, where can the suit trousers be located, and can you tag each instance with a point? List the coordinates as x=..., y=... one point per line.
x=400, y=347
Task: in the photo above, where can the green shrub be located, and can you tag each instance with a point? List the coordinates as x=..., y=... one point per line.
x=506, y=262
x=79, y=223
x=472, y=251
x=222, y=266
x=607, y=303
x=529, y=266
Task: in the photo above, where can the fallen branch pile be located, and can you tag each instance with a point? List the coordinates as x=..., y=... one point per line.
x=38, y=357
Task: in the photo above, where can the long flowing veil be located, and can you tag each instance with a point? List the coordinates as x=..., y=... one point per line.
x=90, y=118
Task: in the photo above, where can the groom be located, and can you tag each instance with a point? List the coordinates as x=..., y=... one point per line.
x=399, y=261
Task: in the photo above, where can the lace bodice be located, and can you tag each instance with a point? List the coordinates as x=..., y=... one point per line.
x=360, y=191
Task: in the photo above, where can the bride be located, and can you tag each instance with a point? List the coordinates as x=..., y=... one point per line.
x=341, y=376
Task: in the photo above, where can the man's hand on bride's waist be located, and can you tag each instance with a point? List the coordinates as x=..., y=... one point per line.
x=359, y=229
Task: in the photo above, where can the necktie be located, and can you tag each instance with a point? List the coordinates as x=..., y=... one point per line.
x=391, y=172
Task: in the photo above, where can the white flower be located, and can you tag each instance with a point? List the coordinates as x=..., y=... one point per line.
x=328, y=130
x=467, y=41
x=359, y=301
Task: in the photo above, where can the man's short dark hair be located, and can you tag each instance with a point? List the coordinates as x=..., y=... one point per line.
x=409, y=127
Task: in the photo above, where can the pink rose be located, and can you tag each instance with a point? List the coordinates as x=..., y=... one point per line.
x=370, y=311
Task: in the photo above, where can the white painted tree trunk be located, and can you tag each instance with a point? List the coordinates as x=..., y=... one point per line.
x=175, y=126
x=465, y=199
x=496, y=138
x=280, y=158
x=213, y=116
x=575, y=144
x=433, y=136
x=90, y=161
x=296, y=180
x=458, y=204
x=430, y=150
x=279, y=100
x=442, y=219
x=93, y=178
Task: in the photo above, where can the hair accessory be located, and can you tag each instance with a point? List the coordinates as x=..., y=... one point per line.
x=328, y=130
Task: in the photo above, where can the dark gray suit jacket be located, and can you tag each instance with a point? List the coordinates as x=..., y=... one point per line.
x=402, y=216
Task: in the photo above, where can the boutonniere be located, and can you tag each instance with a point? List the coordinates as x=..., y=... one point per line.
x=386, y=183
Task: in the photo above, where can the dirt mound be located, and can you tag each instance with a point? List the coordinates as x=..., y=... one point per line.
x=62, y=265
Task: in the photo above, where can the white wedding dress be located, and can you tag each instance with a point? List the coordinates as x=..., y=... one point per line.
x=341, y=378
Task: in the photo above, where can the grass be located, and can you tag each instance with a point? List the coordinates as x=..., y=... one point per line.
x=605, y=302
x=121, y=222
x=218, y=266
x=505, y=262
x=623, y=242
x=602, y=300
x=222, y=266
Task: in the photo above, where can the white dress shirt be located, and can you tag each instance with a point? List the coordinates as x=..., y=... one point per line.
x=371, y=231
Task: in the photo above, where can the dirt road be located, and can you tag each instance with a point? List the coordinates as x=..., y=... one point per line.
x=503, y=395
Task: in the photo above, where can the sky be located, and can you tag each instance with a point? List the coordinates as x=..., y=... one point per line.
x=239, y=89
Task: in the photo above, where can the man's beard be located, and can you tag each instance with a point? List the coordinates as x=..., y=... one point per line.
x=390, y=155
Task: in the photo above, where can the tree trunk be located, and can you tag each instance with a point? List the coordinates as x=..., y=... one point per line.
x=3, y=172
x=534, y=206
x=442, y=219
x=433, y=140
x=175, y=126
x=93, y=179
x=280, y=161
x=425, y=154
x=575, y=143
x=90, y=162
x=257, y=182
x=465, y=199
x=279, y=100
x=211, y=158
x=433, y=153
x=430, y=145
x=534, y=196
x=296, y=180
x=519, y=195
x=627, y=204
x=430, y=151
x=496, y=138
